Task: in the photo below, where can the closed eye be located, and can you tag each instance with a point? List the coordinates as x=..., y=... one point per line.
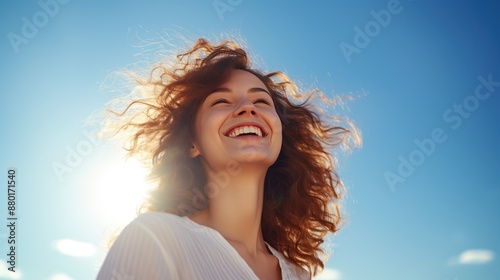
x=221, y=100
x=261, y=100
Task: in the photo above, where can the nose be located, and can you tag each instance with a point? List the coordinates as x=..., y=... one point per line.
x=246, y=108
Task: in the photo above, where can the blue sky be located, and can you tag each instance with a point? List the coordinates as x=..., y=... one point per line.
x=423, y=191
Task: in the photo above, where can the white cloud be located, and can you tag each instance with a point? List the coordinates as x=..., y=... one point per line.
x=328, y=274
x=75, y=248
x=60, y=276
x=7, y=274
x=476, y=256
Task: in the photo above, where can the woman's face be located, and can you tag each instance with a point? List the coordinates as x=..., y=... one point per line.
x=238, y=122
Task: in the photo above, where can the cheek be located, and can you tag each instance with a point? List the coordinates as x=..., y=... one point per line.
x=275, y=122
x=208, y=125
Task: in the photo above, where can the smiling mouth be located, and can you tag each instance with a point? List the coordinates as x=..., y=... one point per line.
x=246, y=130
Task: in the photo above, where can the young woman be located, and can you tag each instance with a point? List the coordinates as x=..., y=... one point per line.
x=246, y=187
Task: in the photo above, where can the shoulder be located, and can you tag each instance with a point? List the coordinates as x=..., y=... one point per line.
x=296, y=272
x=161, y=228
x=290, y=270
x=153, y=232
x=146, y=248
x=154, y=221
x=155, y=217
x=154, y=229
x=299, y=272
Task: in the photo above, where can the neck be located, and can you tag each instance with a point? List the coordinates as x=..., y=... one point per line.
x=235, y=208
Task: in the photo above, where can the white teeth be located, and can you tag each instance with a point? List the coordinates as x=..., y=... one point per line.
x=245, y=129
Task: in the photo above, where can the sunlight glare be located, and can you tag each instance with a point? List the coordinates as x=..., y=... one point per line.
x=121, y=188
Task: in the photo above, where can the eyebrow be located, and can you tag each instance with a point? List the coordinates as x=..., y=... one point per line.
x=251, y=90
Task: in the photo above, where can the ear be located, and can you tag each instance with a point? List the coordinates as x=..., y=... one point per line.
x=194, y=151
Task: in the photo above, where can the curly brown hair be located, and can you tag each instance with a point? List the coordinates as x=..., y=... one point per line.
x=302, y=190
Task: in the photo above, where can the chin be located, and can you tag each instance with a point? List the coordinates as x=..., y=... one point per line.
x=258, y=157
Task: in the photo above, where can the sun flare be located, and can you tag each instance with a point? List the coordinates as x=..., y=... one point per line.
x=120, y=189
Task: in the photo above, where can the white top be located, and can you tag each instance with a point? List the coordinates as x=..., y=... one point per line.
x=159, y=245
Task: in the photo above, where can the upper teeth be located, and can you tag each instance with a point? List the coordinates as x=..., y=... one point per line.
x=245, y=129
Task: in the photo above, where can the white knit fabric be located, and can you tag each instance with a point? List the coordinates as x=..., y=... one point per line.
x=163, y=246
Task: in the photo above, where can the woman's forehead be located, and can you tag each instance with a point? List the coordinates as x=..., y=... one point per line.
x=239, y=77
